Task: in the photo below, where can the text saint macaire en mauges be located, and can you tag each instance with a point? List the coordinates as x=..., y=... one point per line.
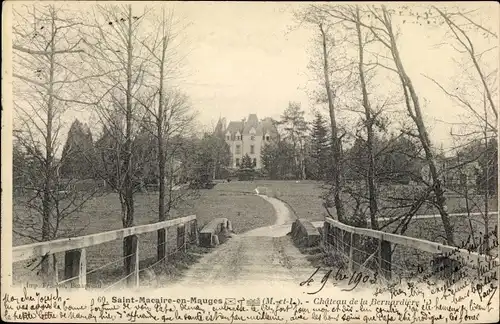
x=163, y=300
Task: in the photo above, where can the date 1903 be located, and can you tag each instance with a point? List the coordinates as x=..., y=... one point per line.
x=354, y=279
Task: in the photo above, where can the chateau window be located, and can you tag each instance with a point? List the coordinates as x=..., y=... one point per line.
x=228, y=137
x=252, y=138
x=237, y=162
x=267, y=138
x=254, y=162
x=238, y=149
x=252, y=149
x=237, y=137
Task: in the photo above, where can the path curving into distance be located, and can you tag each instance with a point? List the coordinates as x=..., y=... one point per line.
x=281, y=226
x=264, y=255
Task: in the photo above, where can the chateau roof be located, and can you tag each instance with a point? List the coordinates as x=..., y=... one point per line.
x=261, y=127
x=235, y=126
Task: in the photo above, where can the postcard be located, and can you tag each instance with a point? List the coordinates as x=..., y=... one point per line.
x=250, y=162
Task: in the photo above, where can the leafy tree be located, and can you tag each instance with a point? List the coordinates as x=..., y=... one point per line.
x=398, y=160
x=320, y=148
x=277, y=160
x=269, y=157
x=202, y=171
x=246, y=162
x=356, y=160
x=209, y=157
x=187, y=156
x=145, y=146
x=221, y=155
x=295, y=128
x=78, y=153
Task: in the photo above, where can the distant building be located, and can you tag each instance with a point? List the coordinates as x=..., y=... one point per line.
x=247, y=136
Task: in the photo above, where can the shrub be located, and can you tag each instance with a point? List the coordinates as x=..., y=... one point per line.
x=246, y=174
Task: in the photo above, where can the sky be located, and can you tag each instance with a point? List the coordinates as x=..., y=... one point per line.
x=243, y=58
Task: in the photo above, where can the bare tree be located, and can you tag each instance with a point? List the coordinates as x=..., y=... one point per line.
x=326, y=67
x=116, y=52
x=462, y=37
x=382, y=29
x=171, y=120
x=475, y=93
x=336, y=141
x=168, y=108
x=369, y=121
x=414, y=111
x=170, y=113
x=46, y=47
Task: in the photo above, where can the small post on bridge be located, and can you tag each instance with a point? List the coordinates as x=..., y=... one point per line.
x=326, y=234
x=195, y=232
x=385, y=258
x=136, y=266
x=75, y=265
x=181, y=237
x=82, y=277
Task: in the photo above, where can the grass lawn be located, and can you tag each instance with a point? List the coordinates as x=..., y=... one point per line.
x=303, y=197
x=245, y=210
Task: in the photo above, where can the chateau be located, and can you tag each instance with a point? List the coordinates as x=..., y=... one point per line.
x=247, y=136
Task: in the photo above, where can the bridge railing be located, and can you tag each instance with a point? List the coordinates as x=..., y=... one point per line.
x=75, y=250
x=362, y=249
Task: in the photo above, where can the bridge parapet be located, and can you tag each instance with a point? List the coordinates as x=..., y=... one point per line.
x=304, y=233
x=215, y=232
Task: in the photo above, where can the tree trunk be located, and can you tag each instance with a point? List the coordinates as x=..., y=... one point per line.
x=372, y=189
x=487, y=182
x=128, y=242
x=302, y=161
x=161, y=246
x=129, y=249
x=296, y=168
x=336, y=148
x=304, y=176
x=216, y=162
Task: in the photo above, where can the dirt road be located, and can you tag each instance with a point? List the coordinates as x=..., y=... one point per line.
x=263, y=255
